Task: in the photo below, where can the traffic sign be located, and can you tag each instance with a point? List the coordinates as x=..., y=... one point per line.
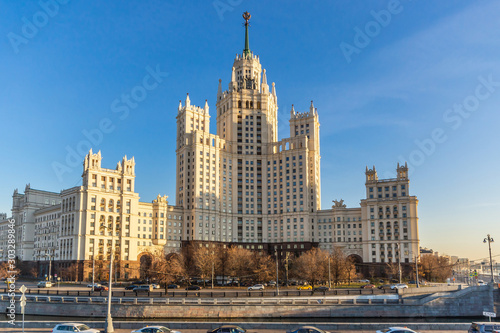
x=489, y=314
x=23, y=298
x=23, y=304
x=23, y=289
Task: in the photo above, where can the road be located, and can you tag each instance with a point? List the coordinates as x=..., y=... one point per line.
x=45, y=330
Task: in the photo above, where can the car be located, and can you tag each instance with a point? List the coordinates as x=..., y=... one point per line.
x=155, y=286
x=397, y=330
x=308, y=329
x=399, y=286
x=272, y=284
x=173, y=286
x=482, y=327
x=368, y=286
x=144, y=287
x=193, y=287
x=101, y=288
x=364, y=281
x=256, y=287
x=385, y=286
x=322, y=288
x=228, y=329
x=73, y=327
x=95, y=285
x=131, y=287
x=304, y=287
x=155, y=329
x=44, y=284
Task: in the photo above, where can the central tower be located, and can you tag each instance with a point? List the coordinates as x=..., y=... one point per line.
x=242, y=184
x=247, y=111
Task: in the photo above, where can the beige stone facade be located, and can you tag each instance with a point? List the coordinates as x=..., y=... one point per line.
x=240, y=185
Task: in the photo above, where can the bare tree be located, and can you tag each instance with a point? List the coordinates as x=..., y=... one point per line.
x=263, y=267
x=238, y=262
x=206, y=261
x=312, y=266
x=392, y=270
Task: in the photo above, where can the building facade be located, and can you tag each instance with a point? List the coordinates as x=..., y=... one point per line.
x=241, y=185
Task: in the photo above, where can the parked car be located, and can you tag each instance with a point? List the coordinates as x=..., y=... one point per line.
x=397, y=330
x=228, y=329
x=155, y=329
x=155, y=286
x=131, y=287
x=44, y=284
x=193, y=287
x=101, y=288
x=144, y=287
x=321, y=288
x=364, y=281
x=304, y=287
x=173, y=286
x=399, y=286
x=256, y=287
x=308, y=329
x=95, y=285
x=73, y=327
x=368, y=286
x=482, y=327
x=385, y=286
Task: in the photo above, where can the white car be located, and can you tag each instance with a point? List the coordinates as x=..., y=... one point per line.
x=155, y=286
x=73, y=327
x=155, y=329
x=95, y=285
x=397, y=330
x=399, y=286
x=256, y=287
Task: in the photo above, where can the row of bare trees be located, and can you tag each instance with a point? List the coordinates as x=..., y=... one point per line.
x=240, y=264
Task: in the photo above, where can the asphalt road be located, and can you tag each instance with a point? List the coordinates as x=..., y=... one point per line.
x=44, y=330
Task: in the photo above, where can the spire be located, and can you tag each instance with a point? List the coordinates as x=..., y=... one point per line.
x=180, y=106
x=265, y=87
x=188, y=101
x=311, y=108
x=219, y=91
x=246, y=50
x=206, y=106
x=274, y=90
x=292, y=111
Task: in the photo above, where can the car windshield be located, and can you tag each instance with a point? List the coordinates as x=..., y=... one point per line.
x=83, y=327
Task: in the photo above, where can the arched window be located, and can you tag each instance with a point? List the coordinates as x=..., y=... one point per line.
x=246, y=104
x=239, y=104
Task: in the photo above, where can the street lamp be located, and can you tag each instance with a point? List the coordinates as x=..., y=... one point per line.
x=277, y=273
x=109, y=320
x=490, y=240
x=51, y=256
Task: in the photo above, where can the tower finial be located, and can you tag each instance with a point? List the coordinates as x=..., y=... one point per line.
x=246, y=17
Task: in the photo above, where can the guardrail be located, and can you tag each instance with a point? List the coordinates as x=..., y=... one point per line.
x=214, y=301
x=210, y=294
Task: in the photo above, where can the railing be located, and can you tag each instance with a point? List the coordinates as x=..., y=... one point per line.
x=214, y=301
x=209, y=294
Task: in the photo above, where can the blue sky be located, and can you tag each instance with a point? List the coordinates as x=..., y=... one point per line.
x=392, y=81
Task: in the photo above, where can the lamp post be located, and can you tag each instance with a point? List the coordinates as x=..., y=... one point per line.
x=329, y=271
x=109, y=320
x=490, y=240
x=50, y=263
x=277, y=273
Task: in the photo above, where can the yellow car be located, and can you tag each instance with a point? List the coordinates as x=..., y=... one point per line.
x=306, y=287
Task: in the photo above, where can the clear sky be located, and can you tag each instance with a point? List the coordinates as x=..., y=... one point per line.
x=393, y=81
